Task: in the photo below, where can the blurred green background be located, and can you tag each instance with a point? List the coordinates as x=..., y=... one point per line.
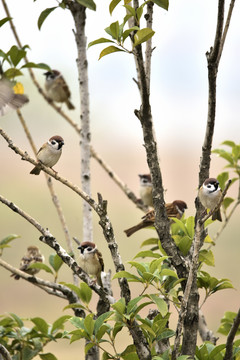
x=179, y=105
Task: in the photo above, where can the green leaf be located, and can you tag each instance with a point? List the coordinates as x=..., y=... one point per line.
x=77, y=322
x=48, y=356
x=207, y=257
x=112, y=5
x=223, y=178
x=142, y=36
x=36, y=66
x=102, y=330
x=130, y=10
x=40, y=266
x=16, y=54
x=109, y=50
x=44, y=14
x=228, y=143
x=99, y=41
x=224, y=154
x=227, y=202
x=75, y=306
x=216, y=350
x=17, y=319
x=116, y=329
x=8, y=239
x=161, y=304
x=151, y=241
x=77, y=335
x=185, y=244
x=181, y=225
x=114, y=29
x=128, y=32
x=12, y=73
x=129, y=353
x=89, y=324
x=168, y=272
x=85, y=293
x=119, y=306
x=4, y=20
x=55, y=261
x=40, y=324
x=101, y=319
x=58, y=324
x=190, y=223
x=140, y=267
x=90, y=4
x=127, y=275
x=162, y=3
x=147, y=253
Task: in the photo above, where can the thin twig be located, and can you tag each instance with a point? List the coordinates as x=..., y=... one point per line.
x=226, y=27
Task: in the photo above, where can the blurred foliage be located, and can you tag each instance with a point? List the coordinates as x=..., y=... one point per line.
x=24, y=343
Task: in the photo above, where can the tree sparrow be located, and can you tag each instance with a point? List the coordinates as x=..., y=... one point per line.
x=146, y=189
x=57, y=88
x=91, y=260
x=209, y=195
x=174, y=209
x=49, y=153
x=32, y=256
x=8, y=98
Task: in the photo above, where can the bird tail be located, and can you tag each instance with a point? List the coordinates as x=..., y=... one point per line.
x=16, y=277
x=217, y=215
x=36, y=170
x=70, y=105
x=133, y=229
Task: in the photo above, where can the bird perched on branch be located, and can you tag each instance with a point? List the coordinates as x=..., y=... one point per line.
x=32, y=256
x=8, y=98
x=91, y=260
x=146, y=189
x=57, y=88
x=209, y=195
x=174, y=209
x=49, y=153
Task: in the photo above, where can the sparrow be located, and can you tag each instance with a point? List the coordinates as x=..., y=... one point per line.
x=175, y=209
x=57, y=88
x=91, y=260
x=32, y=256
x=146, y=189
x=49, y=153
x=209, y=195
x=8, y=98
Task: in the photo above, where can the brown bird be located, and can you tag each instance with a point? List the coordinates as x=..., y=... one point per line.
x=32, y=256
x=49, y=153
x=57, y=88
x=8, y=98
x=209, y=195
x=146, y=189
x=91, y=260
x=174, y=209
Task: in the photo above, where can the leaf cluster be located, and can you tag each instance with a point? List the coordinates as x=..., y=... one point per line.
x=24, y=343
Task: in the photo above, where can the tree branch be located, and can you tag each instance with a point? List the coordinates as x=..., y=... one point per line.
x=231, y=336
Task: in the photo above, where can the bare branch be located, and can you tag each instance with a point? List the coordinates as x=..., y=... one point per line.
x=205, y=333
x=231, y=336
x=4, y=353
